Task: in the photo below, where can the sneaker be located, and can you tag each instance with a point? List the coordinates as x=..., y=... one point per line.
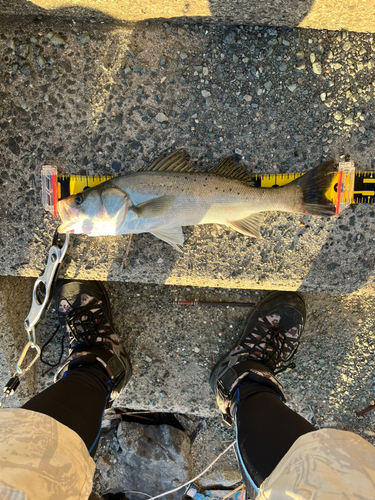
x=84, y=311
x=269, y=340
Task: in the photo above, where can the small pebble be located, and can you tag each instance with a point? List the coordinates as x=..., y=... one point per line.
x=337, y=116
x=317, y=68
x=268, y=85
x=84, y=38
x=161, y=117
x=57, y=40
x=40, y=62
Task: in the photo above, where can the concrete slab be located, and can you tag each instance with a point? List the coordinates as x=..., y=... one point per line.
x=90, y=100
x=173, y=349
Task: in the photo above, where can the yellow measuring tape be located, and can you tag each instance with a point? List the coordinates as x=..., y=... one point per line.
x=56, y=187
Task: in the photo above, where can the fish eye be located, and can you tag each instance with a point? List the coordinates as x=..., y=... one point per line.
x=78, y=199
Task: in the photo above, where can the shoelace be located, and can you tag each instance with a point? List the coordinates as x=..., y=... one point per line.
x=270, y=336
x=93, y=321
x=94, y=325
x=90, y=325
x=42, y=358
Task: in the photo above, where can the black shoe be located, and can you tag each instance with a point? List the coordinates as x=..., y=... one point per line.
x=84, y=311
x=270, y=339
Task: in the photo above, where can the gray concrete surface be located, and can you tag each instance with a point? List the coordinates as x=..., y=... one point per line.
x=89, y=101
x=173, y=349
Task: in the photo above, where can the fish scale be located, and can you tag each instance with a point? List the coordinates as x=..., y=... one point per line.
x=227, y=195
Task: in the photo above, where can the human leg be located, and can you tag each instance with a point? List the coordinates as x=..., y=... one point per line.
x=97, y=368
x=248, y=393
x=266, y=429
x=78, y=401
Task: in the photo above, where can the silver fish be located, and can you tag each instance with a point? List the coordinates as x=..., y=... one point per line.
x=169, y=194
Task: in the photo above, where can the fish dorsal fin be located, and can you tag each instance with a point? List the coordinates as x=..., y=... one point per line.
x=154, y=208
x=249, y=226
x=171, y=235
x=229, y=168
x=179, y=161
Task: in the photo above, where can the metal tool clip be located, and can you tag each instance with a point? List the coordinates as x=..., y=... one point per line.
x=9, y=389
x=41, y=298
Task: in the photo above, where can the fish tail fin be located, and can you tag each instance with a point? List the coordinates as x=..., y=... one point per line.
x=314, y=185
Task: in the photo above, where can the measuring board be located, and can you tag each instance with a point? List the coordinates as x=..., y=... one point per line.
x=353, y=187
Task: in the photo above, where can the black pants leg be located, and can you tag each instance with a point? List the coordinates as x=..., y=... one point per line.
x=266, y=429
x=78, y=401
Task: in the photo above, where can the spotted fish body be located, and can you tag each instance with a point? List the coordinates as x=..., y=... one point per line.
x=170, y=195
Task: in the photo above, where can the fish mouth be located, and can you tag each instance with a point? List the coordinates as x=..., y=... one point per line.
x=74, y=222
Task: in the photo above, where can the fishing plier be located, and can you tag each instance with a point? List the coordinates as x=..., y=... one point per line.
x=41, y=299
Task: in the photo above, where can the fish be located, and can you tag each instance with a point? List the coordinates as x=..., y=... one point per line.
x=170, y=193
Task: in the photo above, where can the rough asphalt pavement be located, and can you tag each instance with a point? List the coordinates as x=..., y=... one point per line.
x=92, y=100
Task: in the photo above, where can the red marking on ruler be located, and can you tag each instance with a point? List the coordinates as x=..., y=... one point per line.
x=54, y=194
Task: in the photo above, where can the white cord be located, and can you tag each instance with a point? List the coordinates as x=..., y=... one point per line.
x=197, y=477
x=138, y=493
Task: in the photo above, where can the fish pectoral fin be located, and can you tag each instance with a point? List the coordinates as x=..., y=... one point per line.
x=249, y=226
x=171, y=235
x=154, y=208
